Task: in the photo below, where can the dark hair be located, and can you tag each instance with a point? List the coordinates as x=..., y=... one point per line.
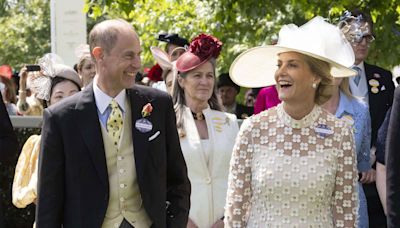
x=225, y=80
x=10, y=95
x=57, y=80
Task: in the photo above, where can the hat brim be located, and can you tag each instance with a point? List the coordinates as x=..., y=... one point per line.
x=161, y=57
x=256, y=67
x=189, y=61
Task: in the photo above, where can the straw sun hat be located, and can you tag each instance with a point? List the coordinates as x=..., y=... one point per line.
x=317, y=38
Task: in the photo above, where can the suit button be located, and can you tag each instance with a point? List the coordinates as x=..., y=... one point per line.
x=208, y=180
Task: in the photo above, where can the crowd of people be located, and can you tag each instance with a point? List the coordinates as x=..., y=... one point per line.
x=318, y=130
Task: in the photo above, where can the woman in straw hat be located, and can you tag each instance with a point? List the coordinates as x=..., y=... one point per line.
x=54, y=83
x=206, y=133
x=294, y=165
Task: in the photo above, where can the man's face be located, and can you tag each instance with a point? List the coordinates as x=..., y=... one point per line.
x=120, y=66
x=228, y=95
x=361, y=47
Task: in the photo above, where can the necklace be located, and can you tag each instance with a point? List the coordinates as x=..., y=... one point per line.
x=198, y=116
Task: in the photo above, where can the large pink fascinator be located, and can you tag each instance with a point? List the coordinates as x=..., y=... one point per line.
x=164, y=60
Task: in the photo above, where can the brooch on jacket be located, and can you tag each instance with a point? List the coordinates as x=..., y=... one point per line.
x=219, y=122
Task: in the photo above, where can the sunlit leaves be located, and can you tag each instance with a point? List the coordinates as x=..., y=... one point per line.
x=242, y=24
x=25, y=32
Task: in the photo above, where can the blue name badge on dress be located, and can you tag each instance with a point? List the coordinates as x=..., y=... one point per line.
x=322, y=130
x=143, y=125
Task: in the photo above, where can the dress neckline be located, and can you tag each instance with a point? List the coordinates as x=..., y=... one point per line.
x=306, y=121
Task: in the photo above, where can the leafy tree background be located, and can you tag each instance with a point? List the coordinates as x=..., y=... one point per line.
x=242, y=24
x=25, y=31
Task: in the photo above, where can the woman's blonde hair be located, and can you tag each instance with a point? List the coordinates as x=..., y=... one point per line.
x=345, y=87
x=322, y=69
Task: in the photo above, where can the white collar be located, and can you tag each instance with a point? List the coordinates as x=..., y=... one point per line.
x=103, y=100
x=361, y=66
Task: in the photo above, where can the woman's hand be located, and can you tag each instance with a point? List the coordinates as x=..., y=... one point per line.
x=368, y=177
x=23, y=75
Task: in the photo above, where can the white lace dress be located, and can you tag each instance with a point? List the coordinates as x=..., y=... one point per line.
x=292, y=173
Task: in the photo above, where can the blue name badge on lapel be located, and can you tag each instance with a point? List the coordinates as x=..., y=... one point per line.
x=322, y=130
x=143, y=125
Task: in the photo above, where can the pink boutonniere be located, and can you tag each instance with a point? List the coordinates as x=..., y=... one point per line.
x=147, y=109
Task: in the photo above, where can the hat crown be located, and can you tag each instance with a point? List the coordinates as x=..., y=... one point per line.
x=320, y=38
x=317, y=38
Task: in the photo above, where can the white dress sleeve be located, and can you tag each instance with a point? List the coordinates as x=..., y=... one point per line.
x=345, y=194
x=239, y=180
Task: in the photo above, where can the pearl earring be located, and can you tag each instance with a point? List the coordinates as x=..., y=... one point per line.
x=314, y=85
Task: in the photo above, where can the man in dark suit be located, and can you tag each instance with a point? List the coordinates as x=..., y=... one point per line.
x=228, y=91
x=110, y=155
x=8, y=143
x=376, y=87
x=392, y=164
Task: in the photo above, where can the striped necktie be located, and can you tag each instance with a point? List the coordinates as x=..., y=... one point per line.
x=357, y=78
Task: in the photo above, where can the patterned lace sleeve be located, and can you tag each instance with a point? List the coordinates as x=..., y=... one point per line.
x=345, y=194
x=239, y=180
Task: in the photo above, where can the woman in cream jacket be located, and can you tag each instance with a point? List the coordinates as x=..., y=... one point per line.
x=206, y=133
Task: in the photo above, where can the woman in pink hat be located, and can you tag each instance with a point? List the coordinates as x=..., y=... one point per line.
x=206, y=133
x=294, y=165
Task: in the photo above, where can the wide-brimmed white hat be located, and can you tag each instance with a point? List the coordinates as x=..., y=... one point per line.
x=317, y=38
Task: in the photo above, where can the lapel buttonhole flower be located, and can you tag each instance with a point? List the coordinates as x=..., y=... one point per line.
x=147, y=109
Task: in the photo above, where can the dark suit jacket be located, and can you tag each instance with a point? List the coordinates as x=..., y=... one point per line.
x=379, y=102
x=242, y=112
x=73, y=187
x=393, y=164
x=8, y=139
x=8, y=143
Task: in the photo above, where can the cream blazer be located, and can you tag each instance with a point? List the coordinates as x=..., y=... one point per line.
x=209, y=182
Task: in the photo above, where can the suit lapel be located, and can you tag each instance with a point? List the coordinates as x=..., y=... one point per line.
x=140, y=140
x=89, y=126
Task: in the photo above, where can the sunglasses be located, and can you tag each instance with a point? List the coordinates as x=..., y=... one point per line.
x=358, y=39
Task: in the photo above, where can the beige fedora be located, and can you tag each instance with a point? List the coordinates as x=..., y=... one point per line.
x=317, y=38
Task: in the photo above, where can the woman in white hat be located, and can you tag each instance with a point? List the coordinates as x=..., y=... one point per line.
x=54, y=83
x=294, y=165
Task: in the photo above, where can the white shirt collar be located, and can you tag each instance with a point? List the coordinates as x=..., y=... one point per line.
x=361, y=66
x=103, y=100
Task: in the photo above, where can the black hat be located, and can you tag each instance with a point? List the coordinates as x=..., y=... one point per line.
x=225, y=80
x=173, y=39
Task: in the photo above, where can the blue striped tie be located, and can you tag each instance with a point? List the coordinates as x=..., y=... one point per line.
x=357, y=78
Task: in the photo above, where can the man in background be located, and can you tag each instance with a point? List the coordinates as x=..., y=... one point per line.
x=375, y=86
x=228, y=91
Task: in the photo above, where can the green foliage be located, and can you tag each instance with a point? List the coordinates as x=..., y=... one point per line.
x=242, y=24
x=25, y=32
